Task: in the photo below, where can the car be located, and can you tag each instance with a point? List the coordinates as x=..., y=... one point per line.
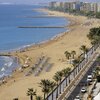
x=89, y=78
x=83, y=90
x=77, y=97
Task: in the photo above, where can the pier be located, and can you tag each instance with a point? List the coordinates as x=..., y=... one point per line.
x=41, y=26
x=5, y=54
x=42, y=16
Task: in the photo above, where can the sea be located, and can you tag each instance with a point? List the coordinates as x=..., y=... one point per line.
x=14, y=38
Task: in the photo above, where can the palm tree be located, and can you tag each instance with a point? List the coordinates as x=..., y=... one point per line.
x=15, y=99
x=31, y=93
x=38, y=98
x=52, y=85
x=97, y=71
x=84, y=49
x=67, y=54
x=58, y=77
x=73, y=53
x=75, y=62
x=65, y=72
x=45, y=87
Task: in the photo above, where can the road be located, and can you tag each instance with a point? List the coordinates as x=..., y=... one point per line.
x=81, y=83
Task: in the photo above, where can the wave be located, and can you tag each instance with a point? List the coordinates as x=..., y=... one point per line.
x=2, y=69
x=8, y=65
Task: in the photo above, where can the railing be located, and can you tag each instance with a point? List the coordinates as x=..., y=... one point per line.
x=68, y=79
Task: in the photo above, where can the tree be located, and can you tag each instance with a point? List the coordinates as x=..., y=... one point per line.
x=15, y=99
x=44, y=84
x=75, y=62
x=97, y=73
x=31, y=93
x=58, y=77
x=65, y=72
x=94, y=35
x=38, y=98
x=67, y=54
x=84, y=49
x=52, y=85
x=73, y=53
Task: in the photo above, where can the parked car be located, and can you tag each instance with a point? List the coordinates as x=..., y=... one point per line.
x=89, y=78
x=83, y=90
x=77, y=98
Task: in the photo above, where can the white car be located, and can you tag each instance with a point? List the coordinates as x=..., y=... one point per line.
x=83, y=90
x=77, y=98
x=89, y=78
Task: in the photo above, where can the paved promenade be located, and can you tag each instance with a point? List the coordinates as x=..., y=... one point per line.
x=74, y=83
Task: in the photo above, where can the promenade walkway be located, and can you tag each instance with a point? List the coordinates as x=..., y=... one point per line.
x=68, y=84
x=77, y=79
x=74, y=83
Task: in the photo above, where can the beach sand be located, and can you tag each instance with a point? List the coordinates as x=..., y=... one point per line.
x=18, y=84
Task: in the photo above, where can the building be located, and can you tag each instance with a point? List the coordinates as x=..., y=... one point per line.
x=98, y=7
x=85, y=7
x=77, y=5
x=52, y=4
x=56, y=4
x=70, y=5
x=93, y=7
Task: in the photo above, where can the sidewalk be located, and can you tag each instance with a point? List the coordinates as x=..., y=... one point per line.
x=96, y=90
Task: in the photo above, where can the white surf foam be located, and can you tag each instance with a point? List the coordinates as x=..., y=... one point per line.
x=2, y=69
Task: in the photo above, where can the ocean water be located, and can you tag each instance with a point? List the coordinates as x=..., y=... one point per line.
x=12, y=16
x=12, y=37
x=7, y=65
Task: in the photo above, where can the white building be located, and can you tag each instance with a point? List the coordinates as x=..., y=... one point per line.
x=97, y=97
x=98, y=7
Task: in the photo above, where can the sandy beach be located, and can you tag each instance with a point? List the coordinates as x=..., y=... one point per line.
x=53, y=49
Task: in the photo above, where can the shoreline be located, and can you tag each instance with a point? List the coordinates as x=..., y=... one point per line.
x=43, y=43
x=54, y=49
x=29, y=46
x=54, y=38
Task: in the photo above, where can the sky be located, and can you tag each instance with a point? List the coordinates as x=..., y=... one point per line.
x=38, y=1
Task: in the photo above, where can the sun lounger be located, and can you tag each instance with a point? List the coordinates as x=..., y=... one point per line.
x=41, y=66
x=48, y=67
